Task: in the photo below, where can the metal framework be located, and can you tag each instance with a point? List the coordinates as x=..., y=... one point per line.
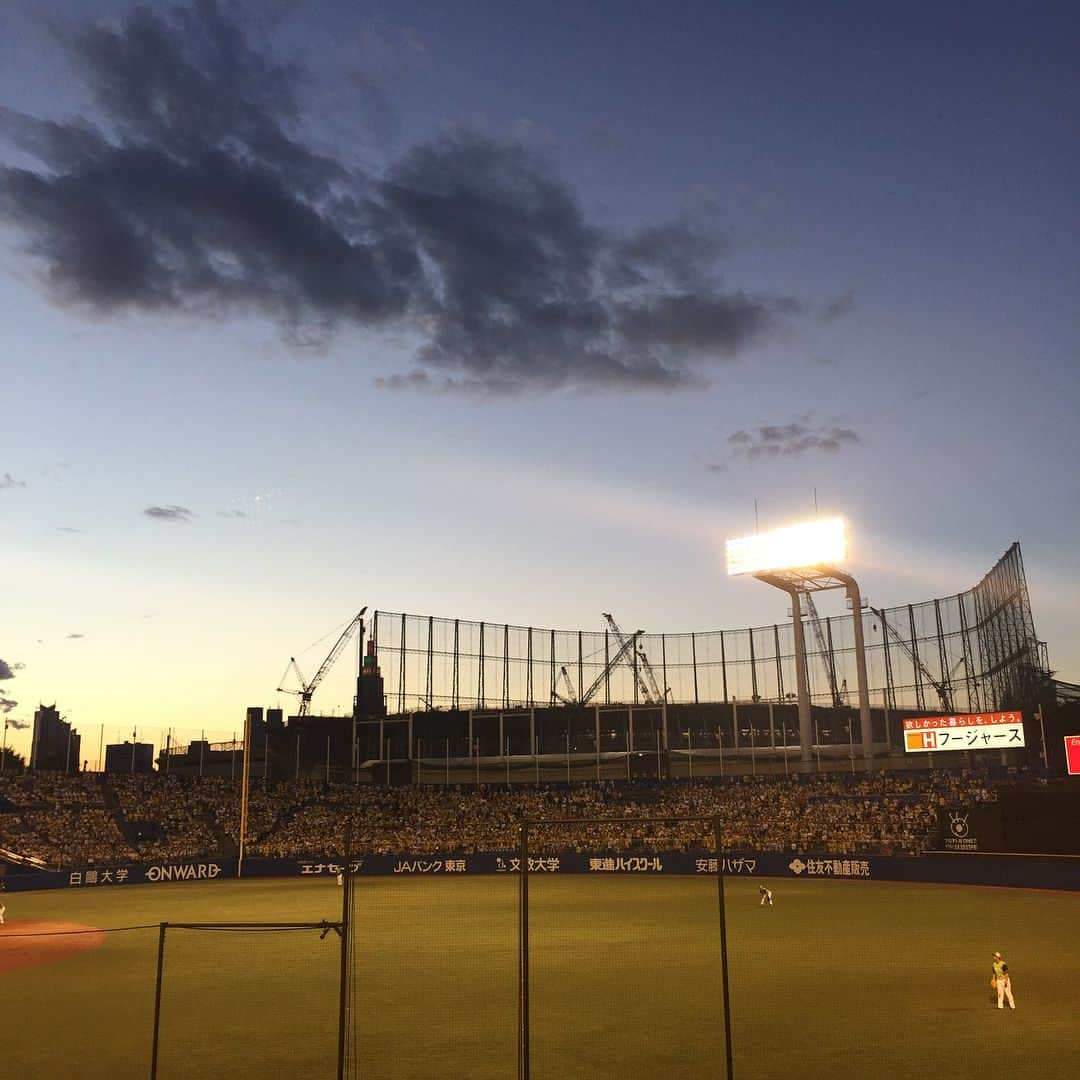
x=803, y=583
x=981, y=644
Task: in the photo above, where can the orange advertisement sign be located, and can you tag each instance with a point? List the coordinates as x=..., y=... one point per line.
x=921, y=740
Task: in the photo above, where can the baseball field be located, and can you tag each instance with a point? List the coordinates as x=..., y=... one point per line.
x=855, y=979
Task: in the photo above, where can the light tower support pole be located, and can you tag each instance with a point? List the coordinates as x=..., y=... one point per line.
x=801, y=685
x=852, y=588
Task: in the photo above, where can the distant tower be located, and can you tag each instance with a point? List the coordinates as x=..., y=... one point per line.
x=369, y=700
x=56, y=745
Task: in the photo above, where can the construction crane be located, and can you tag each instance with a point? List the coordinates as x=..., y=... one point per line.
x=620, y=655
x=943, y=692
x=827, y=657
x=642, y=669
x=307, y=689
x=569, y=697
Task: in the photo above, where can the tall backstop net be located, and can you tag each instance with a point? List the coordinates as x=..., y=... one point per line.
x=623, y=971
x=227, y=1003
x=433, y=973
x=974, y=651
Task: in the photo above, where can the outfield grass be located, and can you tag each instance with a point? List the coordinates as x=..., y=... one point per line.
x=855, y=979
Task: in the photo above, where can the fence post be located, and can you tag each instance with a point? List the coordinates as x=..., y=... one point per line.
x=723, y=949
x=157, y=1000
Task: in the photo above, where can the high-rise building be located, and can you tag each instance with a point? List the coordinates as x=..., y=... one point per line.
x=128, y=757
x=369, y=701
x=56, y=745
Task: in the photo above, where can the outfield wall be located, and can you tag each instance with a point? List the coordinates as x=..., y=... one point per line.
x=1017, y=871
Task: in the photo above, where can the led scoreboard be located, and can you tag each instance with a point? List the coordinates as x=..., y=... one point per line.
x=972, y=731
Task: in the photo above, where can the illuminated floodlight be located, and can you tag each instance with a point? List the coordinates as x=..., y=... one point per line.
x=812, y=543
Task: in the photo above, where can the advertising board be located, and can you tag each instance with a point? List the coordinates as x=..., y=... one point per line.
x=971, y=731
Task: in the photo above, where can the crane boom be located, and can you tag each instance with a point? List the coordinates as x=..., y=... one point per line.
x=823, y=647
x=307, y=689
x=610, y=666
x=643, y=670
x=567, y=698
x=942, y=690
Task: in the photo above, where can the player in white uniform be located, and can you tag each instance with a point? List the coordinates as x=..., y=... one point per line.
x=2, y=910
x=766, y=896
x=1002, y=982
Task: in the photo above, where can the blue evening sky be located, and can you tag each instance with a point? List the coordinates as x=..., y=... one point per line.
x=886, y=312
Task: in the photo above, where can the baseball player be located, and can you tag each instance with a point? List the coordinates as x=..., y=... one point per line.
x=766, y=896
x=1002, y=982
x=2, y=910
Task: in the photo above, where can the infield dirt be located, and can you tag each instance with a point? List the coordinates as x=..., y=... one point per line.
x=35, y=942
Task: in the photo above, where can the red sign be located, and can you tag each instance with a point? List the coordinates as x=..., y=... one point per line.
x=1072, y=754
x=969, y=720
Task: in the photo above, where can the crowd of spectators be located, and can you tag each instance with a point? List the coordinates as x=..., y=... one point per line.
x=60, y=820
x=169, y=816
x=72, y=820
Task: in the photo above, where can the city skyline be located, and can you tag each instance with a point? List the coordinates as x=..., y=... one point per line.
x=514, y=314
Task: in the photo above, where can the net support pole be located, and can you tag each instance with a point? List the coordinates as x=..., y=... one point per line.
x=245, y=781
x=729, y=1068
x=343, y=985
x=157, y=1000
x=523, y=955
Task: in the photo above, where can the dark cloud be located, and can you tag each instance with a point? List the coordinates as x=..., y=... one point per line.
x=18, y=725
x=67, y=529
x=73, y=637
x=9, y=481
x=232, y=513
x=719, y=325
x=7, y=671
x=674, y=253
x=787, y=441
x=168, y=513
x=193, y=190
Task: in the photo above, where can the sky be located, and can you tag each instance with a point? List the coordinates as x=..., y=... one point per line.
x=514, y=312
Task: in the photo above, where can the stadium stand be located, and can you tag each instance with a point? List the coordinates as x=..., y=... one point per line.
x=77, y=820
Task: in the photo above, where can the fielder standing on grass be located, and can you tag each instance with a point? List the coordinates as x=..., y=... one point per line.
x=2, y=910
x=766, y=896
x=1002, y=983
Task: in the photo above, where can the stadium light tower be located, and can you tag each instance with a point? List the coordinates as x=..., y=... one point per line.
x=803, y=559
